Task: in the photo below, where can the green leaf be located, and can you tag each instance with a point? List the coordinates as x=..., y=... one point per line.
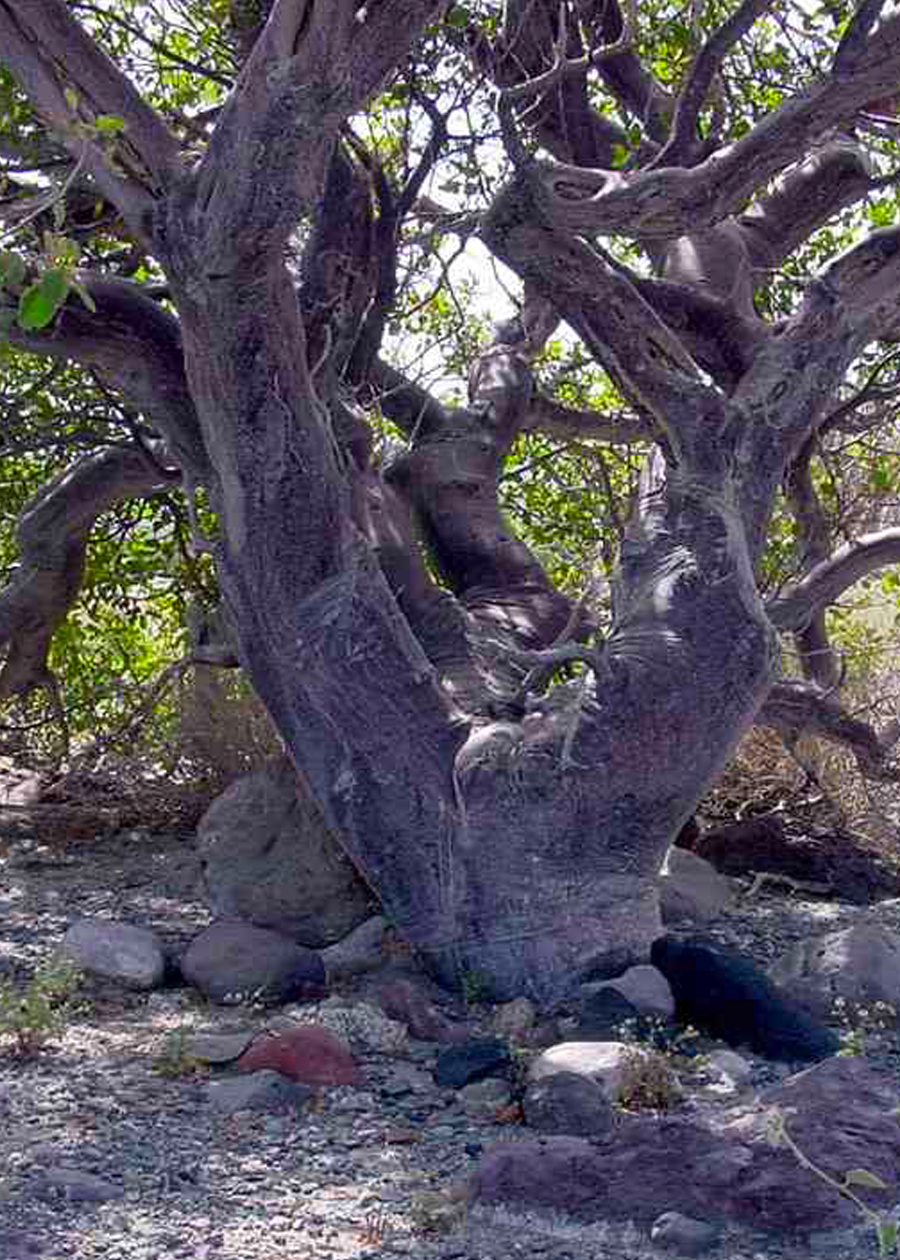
x=109, y=124
x=12, y=270
x=41, y=300
x=888, y=1233
x=862, y=1177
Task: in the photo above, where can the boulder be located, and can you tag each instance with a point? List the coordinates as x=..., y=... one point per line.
x=232, y=961
x=268, y=858
x=361, y=950
x=598, y=1061
x=472, y=1061
x=860, y=966
x=691, y=889
x=603, y=1014
x=266, y=1090
x=646, y=989
x=567, y=1102
x=132, y=956
x=817, y=855
x=307, y=1054
x=717, y=1166
x=722, y=993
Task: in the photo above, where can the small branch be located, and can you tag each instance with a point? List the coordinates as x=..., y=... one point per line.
x=707, y=64
x=564, y=66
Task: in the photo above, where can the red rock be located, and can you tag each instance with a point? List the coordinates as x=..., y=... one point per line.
x=308, y=1053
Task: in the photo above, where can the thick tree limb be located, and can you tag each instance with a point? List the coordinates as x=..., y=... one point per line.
x=830, y=578
x=620, y=328
x=312, y=66
x=135, y=346
x=675, y=202
x=795, y=708
x=52, y=535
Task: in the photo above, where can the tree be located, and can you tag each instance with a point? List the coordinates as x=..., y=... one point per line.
x=651, y=182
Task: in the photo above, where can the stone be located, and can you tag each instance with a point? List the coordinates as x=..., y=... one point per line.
x=860, y=965
x=598, y=1061
x=132, y=956
x=817, y=855
x=567, y=1102
x=691, y=889
x=603, y=1014
x=482, y=1100
x=215, y=1045
x=81, y=1187
x=646, y=989
x=683, y=1234
x=265, y=1090
x=714, y=1165
x=308, y=1054
x=514, y=1020
x=460, y=1065
x=362, y=950
x=403, y=999
x=730, y=1065
x=268, y=858
x=723, y=994
x=232, y=961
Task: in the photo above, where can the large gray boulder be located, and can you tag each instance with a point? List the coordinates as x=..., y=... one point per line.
x=268, y=858
x=719, y=1165
x=232, y=962
x=859, y=966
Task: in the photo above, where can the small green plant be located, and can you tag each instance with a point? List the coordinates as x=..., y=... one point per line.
x=32, y=1016
x=860, y=1023
x=474, y=987
x=887, y=1231
x=648, y=1081
x=175, y=1060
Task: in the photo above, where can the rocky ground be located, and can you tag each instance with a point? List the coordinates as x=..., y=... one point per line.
x=111, y=1150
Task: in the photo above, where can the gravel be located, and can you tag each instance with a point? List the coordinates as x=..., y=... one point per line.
x=102, y=1156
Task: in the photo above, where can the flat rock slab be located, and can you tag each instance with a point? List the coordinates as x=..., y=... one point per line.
x=718, y=1168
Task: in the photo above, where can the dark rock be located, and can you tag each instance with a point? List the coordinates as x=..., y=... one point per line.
x=567, y=1102
x=718, y=1168
x=265, y=1090
x=233, y=961
x=604, y=1016
x=724, y=994
x=460, y=1065
x=819, y=855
